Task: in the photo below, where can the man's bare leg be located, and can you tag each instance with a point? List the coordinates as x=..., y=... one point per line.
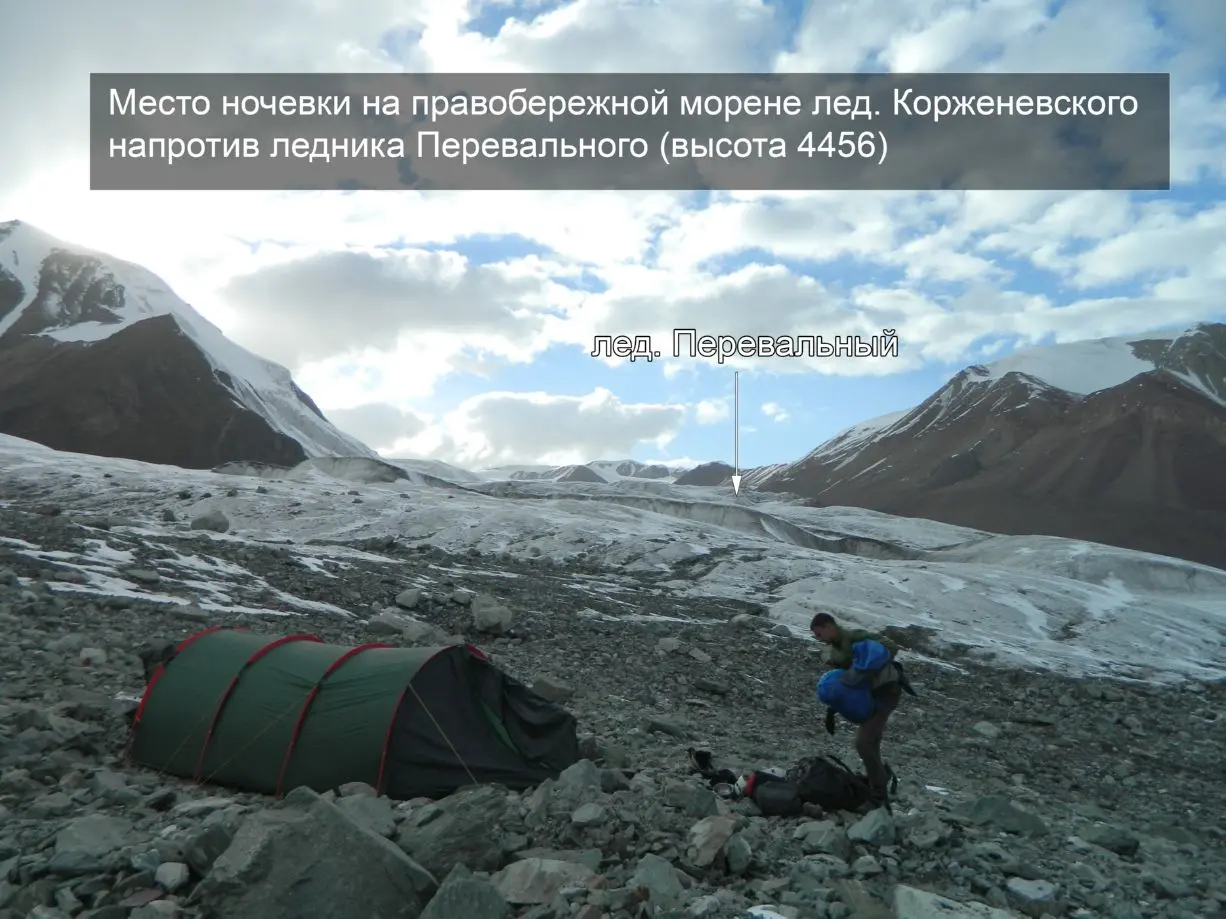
x=870, y=735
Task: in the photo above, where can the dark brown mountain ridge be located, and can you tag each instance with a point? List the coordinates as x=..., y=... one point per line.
x=1138, y=463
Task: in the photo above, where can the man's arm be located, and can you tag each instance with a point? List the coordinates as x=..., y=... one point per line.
x=854, y=676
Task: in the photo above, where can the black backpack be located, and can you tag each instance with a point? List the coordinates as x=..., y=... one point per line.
x=775, y=796
x=830, y=784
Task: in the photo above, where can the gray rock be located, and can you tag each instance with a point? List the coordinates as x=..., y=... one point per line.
x=212, y=521
x=660, y=879
x=588, y=815
x=408, y=599
x=85, y=844
x=158, y=909
x=371, y=813
x=866, y=866
x=302, y=859
x=532, y=881
x=738, y=854
x=204, y=846
x=708, y=837
x=986, y=729
x=113, y=787
x=1035, y=897
x=412, y=631
x=461, y=894
x=553, y=689
x=1001, y=813
x=385, y=624
x=490, y=616
x=172, y=876
x=583, y=775
x=912, y=903
x=459, y=830
x=876, y=828
x=201, y=807
x=670, y=726
x=1113, y=838
x=823, y=837
x=92, y=657
x=692, y=800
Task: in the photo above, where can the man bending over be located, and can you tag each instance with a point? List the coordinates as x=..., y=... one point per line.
x=887, y=686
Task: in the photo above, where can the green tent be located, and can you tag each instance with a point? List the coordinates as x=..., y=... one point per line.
x=231, y=707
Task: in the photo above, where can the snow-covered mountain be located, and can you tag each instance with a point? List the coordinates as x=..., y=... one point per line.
x=596, y=471
x=707, y=474
x=1118, y=440
x=98, y=355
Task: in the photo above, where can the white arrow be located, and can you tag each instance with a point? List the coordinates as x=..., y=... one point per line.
x=736, y=432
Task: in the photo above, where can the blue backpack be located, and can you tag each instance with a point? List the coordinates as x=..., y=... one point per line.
x=855, y=703
x=869, y=656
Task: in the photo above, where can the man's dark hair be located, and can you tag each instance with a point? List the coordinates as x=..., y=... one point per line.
x=821, y=619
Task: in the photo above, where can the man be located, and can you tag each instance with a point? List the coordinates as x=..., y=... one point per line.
x=887, y=685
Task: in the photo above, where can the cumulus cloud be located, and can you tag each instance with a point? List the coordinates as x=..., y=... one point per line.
x=711, y=411
x=507, y=428
x=377, y=424
x=775, y=412
x=333, y=302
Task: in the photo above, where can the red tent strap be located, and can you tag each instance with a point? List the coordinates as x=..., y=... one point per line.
x=310, y=699
x=225, y=696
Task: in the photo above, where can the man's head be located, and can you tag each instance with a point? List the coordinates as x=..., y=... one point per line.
x=824, y=628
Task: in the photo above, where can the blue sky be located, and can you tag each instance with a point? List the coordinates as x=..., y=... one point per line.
x=459, y=325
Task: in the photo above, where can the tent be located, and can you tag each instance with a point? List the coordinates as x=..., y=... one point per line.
x=235, y=708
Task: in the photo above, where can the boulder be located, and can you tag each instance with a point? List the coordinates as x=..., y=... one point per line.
x=305, y=859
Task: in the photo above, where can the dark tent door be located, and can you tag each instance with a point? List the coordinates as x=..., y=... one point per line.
x=464, y=722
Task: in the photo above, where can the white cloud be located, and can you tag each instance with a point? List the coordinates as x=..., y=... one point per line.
x=775, y=412
x=505, y=428
x=711, y=411
x=337, y=302
x=374, y=298
x=378, y=424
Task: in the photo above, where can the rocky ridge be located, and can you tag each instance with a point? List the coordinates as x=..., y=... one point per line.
x=1115, y=441
x=1036, y=795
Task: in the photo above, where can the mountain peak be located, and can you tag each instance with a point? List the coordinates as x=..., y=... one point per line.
x=1196, y=352
x=81, y=325
x=1115, y=440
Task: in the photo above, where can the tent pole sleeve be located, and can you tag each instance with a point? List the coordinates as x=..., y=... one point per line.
x=225, y=696
x=306, y=705
x=153, y=681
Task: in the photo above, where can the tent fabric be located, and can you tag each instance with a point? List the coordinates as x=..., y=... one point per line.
x=869, y=656
x=855, y=703
x=231, y=707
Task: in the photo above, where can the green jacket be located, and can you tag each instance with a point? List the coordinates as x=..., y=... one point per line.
x=841, y=648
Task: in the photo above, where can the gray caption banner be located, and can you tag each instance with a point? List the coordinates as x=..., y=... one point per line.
x=752, y=132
